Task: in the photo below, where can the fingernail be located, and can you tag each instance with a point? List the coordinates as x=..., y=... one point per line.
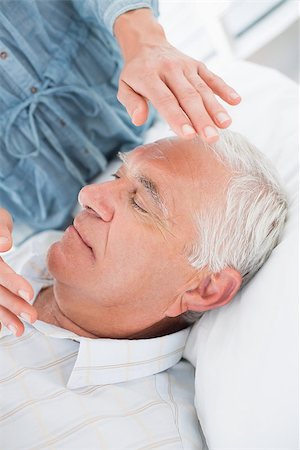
x=4, y=240
x=135, y=111
x=210, y=132
x=24, y=295
x=13, y=329
x=234, y=95
x=187, y=129
x=26, y=317
x=222, y=117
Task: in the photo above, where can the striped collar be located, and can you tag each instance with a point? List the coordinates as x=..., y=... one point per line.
x=108, y=361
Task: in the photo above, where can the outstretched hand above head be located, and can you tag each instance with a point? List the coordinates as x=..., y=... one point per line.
x=182, y=89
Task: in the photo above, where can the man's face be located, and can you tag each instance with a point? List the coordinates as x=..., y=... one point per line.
x=138, y=228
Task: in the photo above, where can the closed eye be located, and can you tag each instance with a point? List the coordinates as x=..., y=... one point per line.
x=132, y=201
x=136, y=206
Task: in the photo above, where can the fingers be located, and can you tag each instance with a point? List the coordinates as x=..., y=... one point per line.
x=157, y=73
x=218, y=86
x=169, y=108
x=191, y=101
x=11, y=321
x=17, y=305
x=12, y=306
x=15, y=293
x=135, y=104
x=214, y=109
x=15, y=283
x=183, y=100
x=6, y=225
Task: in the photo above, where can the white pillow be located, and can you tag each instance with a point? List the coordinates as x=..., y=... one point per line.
x=245, y=354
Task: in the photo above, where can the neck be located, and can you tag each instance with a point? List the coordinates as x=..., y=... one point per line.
x=49, y=312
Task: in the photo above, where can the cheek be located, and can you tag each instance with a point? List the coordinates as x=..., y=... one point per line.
x=137, y=246
x=131, y=254
x=128, y=257
x=141, y=264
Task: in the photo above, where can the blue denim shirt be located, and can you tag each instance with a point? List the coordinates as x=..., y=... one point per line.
x=60, y=120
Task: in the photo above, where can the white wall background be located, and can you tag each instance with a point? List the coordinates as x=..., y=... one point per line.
x=268, y=31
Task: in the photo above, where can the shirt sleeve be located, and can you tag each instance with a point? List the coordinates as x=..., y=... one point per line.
x=109, y=10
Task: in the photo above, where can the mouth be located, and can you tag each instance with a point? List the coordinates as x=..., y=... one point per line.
x=74, y=229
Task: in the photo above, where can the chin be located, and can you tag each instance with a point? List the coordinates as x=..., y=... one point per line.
x=57, y=261
x=65, y=265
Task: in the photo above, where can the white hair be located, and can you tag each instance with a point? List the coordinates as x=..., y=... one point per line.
x=243, y=233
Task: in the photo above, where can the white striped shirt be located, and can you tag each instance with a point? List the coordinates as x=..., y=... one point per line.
x=60, y=390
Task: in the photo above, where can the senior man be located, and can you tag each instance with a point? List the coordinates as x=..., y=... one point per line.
x=177, y=232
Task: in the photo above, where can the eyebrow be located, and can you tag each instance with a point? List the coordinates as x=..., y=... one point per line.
x=150, y=185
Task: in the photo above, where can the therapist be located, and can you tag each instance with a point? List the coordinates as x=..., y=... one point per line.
x=79, y=81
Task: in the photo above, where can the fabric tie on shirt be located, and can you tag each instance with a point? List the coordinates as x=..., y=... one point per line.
x=84, y=99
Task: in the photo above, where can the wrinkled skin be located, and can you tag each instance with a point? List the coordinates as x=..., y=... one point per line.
x=123, y=267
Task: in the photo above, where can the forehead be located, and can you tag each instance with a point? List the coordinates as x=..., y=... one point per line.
x=186, y=169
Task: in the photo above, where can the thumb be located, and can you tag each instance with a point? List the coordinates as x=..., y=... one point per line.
x=6, y=225
x=135, y=104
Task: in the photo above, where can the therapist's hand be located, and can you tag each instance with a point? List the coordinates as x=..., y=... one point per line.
x=179, y=87
x=15, y=291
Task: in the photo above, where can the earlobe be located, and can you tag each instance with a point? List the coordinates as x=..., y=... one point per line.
x=176, y=308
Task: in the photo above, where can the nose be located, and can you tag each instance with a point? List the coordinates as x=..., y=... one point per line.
x=100, y=199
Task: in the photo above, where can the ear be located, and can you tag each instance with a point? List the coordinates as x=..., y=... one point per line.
x=212, y=291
